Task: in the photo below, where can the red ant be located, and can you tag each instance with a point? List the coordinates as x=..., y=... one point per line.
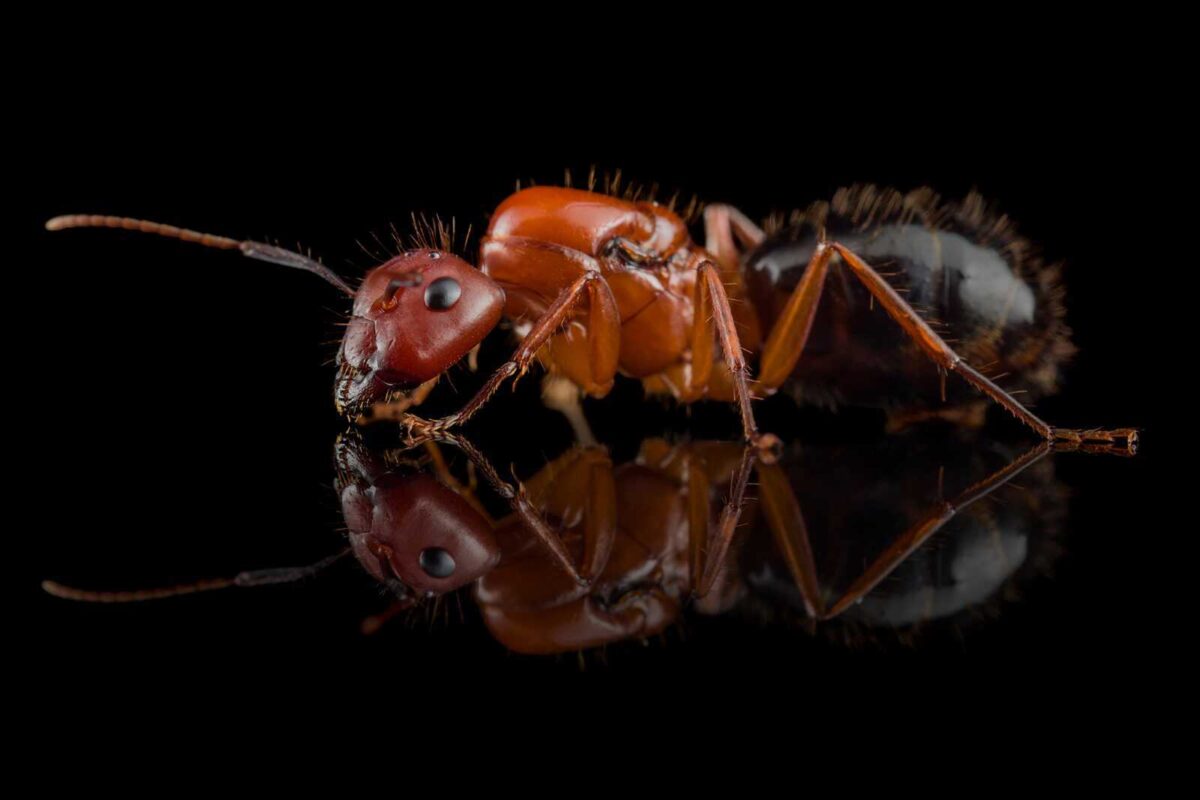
x=636, y=295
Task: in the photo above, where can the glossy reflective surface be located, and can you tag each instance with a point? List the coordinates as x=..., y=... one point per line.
x=916, y=530
x=198, y=442
x=883, y=538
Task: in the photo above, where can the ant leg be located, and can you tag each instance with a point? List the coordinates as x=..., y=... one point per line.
x=969, y=416
x=721, y=536
x=724, y=229
x=562, y=395
x=920, y=332
x=518, y=500
x=787, y=339
x=260, y=577
x=712, y=311
x=605, y=342
x=722, y=224
x=588, y=347
x=579, y=485
x=906, y=543
x=785, y=519
x=441, y=469
x=393, y=410
x=375, y=623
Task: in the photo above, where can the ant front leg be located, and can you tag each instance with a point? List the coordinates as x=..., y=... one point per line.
x=590, y=286
x=396, y=409
x=786, y=343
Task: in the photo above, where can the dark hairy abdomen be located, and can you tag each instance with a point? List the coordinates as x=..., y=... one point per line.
x=980, y=285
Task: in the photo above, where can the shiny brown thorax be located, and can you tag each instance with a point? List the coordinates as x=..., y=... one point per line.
x=968, y=272
x=541, y=239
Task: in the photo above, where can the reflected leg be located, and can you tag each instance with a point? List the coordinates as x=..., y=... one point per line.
x=518, y=500
x=785, y=519
x=589, y=286
x=908, y=542
x=720, y=536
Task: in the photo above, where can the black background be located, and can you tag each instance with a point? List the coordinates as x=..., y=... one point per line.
x=175, y=420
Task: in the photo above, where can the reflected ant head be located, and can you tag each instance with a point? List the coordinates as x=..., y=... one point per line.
x=414, y=317
x=407, y=529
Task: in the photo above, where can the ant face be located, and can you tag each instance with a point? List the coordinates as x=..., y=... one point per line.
x=413, y=529
x=413, y=318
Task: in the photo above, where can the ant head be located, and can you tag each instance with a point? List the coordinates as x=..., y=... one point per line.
x=413, y=318
x=412, y=529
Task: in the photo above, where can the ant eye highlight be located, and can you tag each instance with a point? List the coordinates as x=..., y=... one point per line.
x=442, y=294
x=436, y=562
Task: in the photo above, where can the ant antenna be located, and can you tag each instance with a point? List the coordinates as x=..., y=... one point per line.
x=257, y=250
x=260, y=577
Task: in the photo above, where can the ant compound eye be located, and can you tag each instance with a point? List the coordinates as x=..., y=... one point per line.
x=442, y=294
x=436, y=562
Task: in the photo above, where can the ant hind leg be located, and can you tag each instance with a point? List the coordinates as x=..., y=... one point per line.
x=941, y=353
x=787, y=339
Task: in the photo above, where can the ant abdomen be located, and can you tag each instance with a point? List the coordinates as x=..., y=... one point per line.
x=978, y=284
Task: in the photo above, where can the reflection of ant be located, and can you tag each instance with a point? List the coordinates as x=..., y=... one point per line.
x=636, y=295
x=591, y=553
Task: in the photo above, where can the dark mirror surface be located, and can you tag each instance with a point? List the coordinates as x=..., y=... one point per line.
x=192, y=437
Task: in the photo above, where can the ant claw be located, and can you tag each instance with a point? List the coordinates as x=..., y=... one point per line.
x=1119, y=441
x=768, y=445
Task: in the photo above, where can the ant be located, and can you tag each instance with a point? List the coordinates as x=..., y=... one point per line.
x=636, y=295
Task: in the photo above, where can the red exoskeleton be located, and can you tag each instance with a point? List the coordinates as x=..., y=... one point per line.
x=596, y=284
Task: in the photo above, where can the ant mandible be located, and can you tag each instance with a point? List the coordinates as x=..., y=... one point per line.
x=636, y=295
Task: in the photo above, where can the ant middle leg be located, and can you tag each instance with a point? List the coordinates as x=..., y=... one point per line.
x=712, y=312
x=719, y=537
x=562, y=395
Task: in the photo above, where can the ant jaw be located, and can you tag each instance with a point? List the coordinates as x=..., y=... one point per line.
x=360, y=393
x=352, y=391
